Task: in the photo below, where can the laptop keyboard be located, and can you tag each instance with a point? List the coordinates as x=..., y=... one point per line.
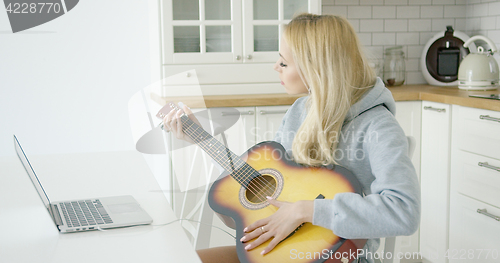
x=85, y=213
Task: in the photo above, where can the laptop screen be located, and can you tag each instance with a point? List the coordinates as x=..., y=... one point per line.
x=34, y=179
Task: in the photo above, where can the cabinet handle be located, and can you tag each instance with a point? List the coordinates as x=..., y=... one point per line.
x=225, y=113
x=484, y=212
x=486, y=165
x=434, y=109
x=489, y=118
x=188, y=74
x=238, y=57
x=249, y=56
x=264, y=112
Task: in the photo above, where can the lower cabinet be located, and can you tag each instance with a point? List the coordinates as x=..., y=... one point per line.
x=475, y=186
x=435, y=177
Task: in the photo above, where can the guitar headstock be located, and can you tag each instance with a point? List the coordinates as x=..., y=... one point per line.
x=166, y=109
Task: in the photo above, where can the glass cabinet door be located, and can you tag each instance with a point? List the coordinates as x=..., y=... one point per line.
x=263, y=22
x=201, y=31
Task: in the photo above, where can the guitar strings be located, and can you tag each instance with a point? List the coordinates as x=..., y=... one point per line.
x=247, y=169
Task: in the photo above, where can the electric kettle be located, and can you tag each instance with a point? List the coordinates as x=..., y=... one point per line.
x=479, y=71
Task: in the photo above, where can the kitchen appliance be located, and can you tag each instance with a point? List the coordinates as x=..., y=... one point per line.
x=479, y=71
x=442, y=55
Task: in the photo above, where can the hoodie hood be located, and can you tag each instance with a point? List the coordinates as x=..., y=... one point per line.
x=377, y=95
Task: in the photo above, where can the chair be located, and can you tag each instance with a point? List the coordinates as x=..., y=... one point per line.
x=391, y=242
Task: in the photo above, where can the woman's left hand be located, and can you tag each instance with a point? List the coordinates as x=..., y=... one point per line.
x=279, y=225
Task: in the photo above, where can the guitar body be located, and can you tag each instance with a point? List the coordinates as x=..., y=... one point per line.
x=245, y=202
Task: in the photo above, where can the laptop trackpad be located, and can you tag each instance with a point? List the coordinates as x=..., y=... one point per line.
x=124, y=208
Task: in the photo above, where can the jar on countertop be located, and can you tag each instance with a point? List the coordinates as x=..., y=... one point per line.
x=394, y=66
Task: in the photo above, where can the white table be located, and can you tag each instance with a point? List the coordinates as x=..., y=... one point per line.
x=27, y=233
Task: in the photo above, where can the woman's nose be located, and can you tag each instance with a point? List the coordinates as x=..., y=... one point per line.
x=277, y=66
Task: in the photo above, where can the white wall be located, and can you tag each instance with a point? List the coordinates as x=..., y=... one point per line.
x=411, y=23
x=65, y=85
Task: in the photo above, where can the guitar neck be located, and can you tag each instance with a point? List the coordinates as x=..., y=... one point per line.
x=232, y=163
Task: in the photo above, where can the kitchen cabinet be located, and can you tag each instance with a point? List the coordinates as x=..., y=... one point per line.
x=231, y=45
x=409, y=116
x=435, y=176
x=475, y=186
x=226, y=31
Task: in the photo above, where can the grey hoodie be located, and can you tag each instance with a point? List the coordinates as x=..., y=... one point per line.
x=373, y=147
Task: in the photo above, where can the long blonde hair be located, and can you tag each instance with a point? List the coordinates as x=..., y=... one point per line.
x=331, y=63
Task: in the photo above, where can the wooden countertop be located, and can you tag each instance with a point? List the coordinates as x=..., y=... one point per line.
x=448, y=95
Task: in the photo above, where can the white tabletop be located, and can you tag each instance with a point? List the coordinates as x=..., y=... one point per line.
x=27, y=233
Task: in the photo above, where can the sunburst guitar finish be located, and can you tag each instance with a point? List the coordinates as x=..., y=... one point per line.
x=244, y=201
x=239, y=197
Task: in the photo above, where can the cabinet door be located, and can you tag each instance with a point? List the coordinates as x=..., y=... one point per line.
x=263, y=22
x=409, y=116
x=268, y=121
x=239, y=136
x=435, y=178
x=473, y=231
x=201, y=31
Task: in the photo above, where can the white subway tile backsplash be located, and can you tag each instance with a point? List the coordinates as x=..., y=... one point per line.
x=383, y=39
x=494, y=9
x=412, y=23
x=335, y=10
x=443, y=2
x=415, y=51
x=473, y=24
x=425, y=37
x=415, y=77
x=419, y=25
x=480, y=10
x=374, y=52
x=371, y=2
x=420, y=2
x=371, y=25
x=407, y=38
x=396, y=25
x=346, y=2
x=432, y=11
x=384, y=12
x=412, y=64
x=365, y=39
x=355, y=24
x=494, y=35
x=396, y=2
x=441, y=24
x=359, y=12
x=455, y=11
x=488, y=23
x=460, y=24
x=408, y=11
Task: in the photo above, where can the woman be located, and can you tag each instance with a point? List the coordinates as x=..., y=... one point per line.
x=346, y=119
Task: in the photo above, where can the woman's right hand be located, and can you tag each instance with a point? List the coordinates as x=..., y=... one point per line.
x=172, y=123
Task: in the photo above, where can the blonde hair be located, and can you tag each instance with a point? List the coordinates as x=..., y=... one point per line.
x=334, y=69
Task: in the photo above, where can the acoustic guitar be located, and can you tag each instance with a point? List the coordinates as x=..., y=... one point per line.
x=238, y=196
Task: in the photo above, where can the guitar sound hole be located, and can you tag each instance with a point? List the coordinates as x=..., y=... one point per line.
x=259, y=188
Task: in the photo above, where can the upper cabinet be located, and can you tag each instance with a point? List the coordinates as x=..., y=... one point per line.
x=226, y=31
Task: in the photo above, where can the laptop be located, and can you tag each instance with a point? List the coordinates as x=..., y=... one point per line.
x=87, y=214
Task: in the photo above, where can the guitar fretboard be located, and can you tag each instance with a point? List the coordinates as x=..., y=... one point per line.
x=232, y=163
